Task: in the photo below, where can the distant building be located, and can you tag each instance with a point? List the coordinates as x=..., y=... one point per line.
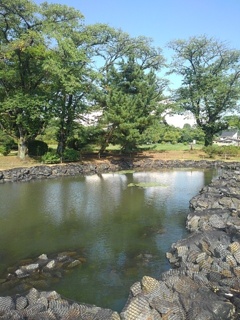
x=230, y=137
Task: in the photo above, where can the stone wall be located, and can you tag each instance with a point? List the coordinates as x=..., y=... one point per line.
x=52, y=171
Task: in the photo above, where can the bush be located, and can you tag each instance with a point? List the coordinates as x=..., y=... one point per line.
x=6, y=144
x=71, y=155
x=4, y=151
x=221, y=150
x=75, y=143
x=51, y=157
x=230, y=150
x=211, y=150
x=37, y=148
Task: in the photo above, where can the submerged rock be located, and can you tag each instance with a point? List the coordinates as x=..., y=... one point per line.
x=41, y=271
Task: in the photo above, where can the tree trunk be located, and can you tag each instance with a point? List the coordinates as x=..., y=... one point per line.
x=61, y=144
x=22, y=148
x=208, y=140
x=105, y=142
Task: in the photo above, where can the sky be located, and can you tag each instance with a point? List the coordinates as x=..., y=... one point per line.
x=165, y=20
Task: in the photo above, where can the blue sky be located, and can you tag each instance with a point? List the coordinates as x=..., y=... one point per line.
x=165, y=20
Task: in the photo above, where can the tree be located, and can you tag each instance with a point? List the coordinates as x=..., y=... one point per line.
x=43, y=69
x=233, y=121
x=119, y=58
x=210, y=85
x=67, y=67
x=188, y=134
x=129, y=98
x=110, y=46
x=23, y=79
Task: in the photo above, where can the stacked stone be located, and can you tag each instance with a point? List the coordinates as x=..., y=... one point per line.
x=49, y=306
x=204, y=282
x=75, y=169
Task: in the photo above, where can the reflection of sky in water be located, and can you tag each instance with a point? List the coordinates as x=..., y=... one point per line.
x=83, y=195
x=177, y=186
x=59, y=198
x=93, y=196
x=112, y=222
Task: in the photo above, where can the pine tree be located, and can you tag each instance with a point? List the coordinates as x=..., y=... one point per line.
x=129, y=99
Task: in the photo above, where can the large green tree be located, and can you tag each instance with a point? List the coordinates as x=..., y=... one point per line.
x=67, y=67
x=129, y=100
x=210, y=81
x=23, y=79
x=124, y=63
x=43, y=69
x=233, y=121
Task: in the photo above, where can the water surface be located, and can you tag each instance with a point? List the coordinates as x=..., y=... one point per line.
x=122, y=231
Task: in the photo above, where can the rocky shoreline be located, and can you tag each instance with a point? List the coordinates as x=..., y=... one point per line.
x=74, y=169
x=204, y=281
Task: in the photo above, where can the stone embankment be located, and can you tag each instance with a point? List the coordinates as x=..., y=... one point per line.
x=53, y=171
x=204, y=281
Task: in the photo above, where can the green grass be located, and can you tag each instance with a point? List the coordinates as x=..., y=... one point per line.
x=145, y=147
x=169, y=147
x=160, y=147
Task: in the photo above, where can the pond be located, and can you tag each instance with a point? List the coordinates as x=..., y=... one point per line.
x=123, y=224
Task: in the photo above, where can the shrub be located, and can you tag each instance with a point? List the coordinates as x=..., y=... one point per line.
x=71, y=155
x=37, y=148
x=221, y=150
x=4, y=151
x=211, y=150
x=75, y=143
x=6, y=144
x=230, y=150
x=51, y=157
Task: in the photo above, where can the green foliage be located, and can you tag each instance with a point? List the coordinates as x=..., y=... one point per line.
x=233, y=121
x=49, y=76
x=4, y=151
x=71, y=155
x=37, y=148
x=129, y=97
x=188, y=134
x=84, y=137
x=6, y=144
x=211, y=82
x=211, y=151
x=75, y=143
x=23, y=90
x=51, y=157
x=231, y=151
x=227, y=151
x=49, y=135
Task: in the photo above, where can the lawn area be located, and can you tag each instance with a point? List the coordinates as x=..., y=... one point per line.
x=162, y=147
